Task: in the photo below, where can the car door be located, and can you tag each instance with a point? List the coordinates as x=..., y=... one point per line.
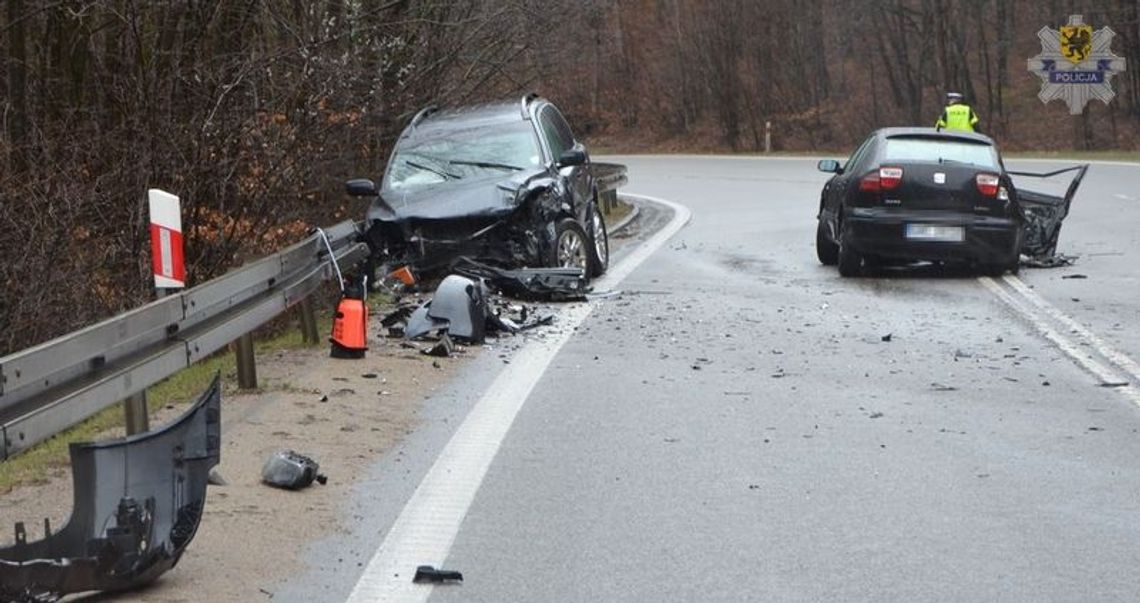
x=560, y=139
x=836, y=189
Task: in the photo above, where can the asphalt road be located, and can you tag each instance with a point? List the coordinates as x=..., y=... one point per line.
x=737, y=426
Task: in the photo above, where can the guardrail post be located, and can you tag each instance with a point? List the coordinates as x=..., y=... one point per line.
x=135, y=413
x=308, y=322
x=246, y=369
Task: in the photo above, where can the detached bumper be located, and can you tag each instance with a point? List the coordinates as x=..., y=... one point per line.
x=882, y=232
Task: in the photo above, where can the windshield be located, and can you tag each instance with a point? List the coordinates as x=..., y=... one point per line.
x=941, y=150
x=454, y=154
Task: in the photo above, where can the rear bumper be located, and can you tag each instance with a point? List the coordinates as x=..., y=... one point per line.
x=881, y=232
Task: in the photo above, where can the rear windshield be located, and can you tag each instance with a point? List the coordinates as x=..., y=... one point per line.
x=941, y=150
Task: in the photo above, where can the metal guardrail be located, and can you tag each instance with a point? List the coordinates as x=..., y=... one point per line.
x=52, y=386
x=609, y=177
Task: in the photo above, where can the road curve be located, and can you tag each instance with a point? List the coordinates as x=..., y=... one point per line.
x=742, y=424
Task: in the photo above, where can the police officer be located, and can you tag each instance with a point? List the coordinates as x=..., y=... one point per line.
x=957, y=116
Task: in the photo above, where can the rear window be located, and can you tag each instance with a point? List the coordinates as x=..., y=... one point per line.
x=940, y=150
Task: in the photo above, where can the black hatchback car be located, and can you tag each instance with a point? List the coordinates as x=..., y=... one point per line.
x=504, y=183
x=909, y=194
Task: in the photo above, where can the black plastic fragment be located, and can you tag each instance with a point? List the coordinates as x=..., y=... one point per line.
x=551, y=284
x=427, y=573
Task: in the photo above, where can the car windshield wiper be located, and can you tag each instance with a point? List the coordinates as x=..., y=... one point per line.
x=944, y=160
x=437, y=171
x=486, y=164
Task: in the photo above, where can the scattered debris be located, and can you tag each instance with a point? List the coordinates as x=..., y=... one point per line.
x=123, y=533
x=1114, y=384
x=1052, y=261
x=1096, y=429
x=443, y=348
x=938, y=387
x=1075, y=276
x=369, y=376
x=876, y=415
x=427, y=573
x=290, y=470
x=549, y=284
x=886, y=337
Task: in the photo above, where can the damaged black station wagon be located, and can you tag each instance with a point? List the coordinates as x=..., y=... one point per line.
x=505, y=184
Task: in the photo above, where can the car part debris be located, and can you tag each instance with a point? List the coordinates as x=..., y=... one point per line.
x=552, y=284
x=427, y=573
x=137, y=505
x=290, y=470
x=1044, y=213
x=443, y=348
x=462, y=303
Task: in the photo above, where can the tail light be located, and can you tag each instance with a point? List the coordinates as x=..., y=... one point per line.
x=887, y=178
x=988, y=184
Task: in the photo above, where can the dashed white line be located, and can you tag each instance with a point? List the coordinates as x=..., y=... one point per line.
x=426, y=527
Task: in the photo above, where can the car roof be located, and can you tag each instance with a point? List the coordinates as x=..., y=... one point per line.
x=933, y=133
x=433, y=119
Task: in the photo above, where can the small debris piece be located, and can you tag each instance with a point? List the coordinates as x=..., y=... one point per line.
x=443, y=348
x=1114, y=384
x=876, y=415
x=427, y=573
x=1096, y=429
x=290, y=470
x=886, y=337
x=1075, y=276
x=215, y=479
x=1045, y=383
x=938, y=387
x=369, y=375
x=324, y=398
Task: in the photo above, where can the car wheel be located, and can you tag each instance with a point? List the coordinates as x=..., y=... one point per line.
x=825, y=249
x=599, y=256
x=850, y=261
x=570, y=245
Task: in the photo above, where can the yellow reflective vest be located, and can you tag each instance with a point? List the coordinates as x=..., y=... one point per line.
x=958, y=117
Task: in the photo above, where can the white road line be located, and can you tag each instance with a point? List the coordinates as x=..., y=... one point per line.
x=1073, y=350
x=426, y=527
x=1124, y=197
x=1115, y=356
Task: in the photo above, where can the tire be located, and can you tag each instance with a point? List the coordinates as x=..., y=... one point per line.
x=825, y=249
x=599, y=251
x=850, y=261
x=571, y=246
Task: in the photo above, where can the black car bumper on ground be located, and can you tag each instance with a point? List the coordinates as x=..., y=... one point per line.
x=890, y=233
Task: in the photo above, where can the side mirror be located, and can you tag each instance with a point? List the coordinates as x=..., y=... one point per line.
x=830, y=166
x=361, y=187
x=572, y=157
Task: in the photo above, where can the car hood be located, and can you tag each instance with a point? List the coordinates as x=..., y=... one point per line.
x=488, y=196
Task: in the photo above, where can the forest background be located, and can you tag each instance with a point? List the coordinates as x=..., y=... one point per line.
x=254, y=112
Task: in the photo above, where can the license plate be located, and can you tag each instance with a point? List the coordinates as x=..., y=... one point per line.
x=934, y=232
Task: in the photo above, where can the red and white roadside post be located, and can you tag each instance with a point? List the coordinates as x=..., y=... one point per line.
x=169, y=273
x=167, y=260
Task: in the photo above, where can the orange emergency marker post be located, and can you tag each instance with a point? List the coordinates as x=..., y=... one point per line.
x=350, y=324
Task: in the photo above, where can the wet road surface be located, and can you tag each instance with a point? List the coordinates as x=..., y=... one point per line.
x=742, y=424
